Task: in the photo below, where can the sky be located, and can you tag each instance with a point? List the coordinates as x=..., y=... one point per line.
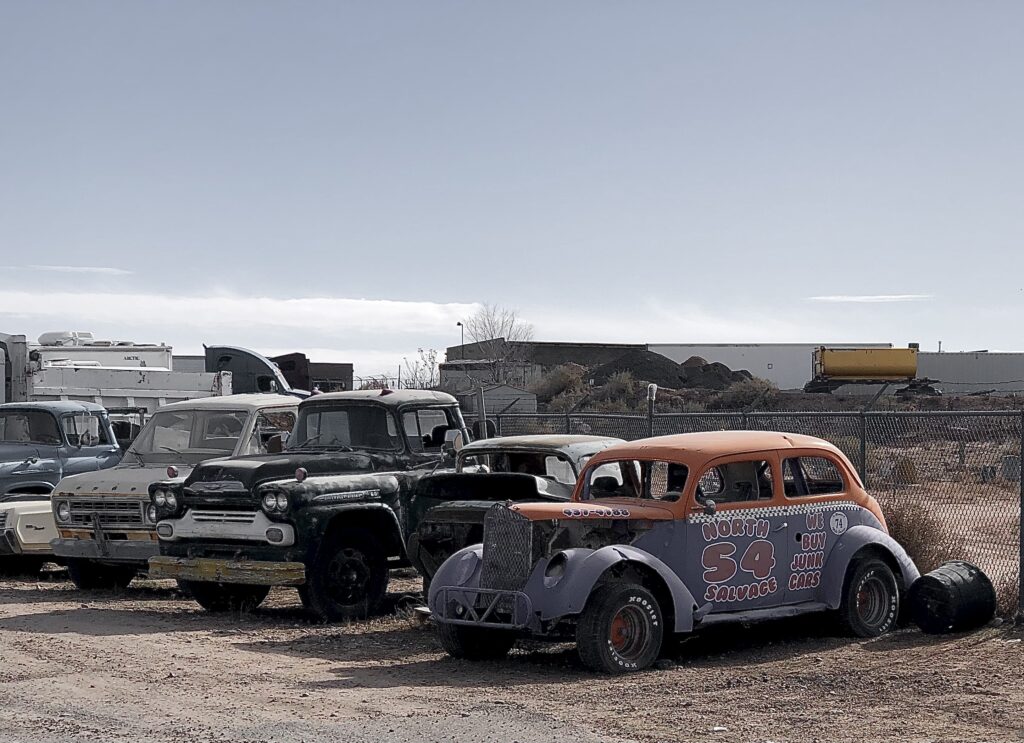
x=353, y=179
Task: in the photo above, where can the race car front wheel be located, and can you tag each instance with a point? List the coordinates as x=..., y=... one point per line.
x=621, y=629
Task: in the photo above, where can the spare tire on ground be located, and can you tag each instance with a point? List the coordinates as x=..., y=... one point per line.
x=955, y=597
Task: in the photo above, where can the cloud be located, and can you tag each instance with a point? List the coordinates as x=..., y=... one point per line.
x=870, y=298
x=96, y=270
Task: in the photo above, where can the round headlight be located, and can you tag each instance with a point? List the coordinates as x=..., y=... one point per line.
x=151, y=513
x=171, y=499
x=282, y=502
x=64, y=511
x=556, y=566
x=465, y=567
x=269, y=502
x=160, y=497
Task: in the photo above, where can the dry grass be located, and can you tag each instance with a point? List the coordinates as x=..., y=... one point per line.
x=1007, y=596
x=924, y=536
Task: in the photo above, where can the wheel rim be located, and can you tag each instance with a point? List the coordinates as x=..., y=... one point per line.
x=348, y=576
x=629, y=632
x=872, y=601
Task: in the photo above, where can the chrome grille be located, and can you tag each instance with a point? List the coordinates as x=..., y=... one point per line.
x=508, y=549
x=224, y=517
x=3, y=519
x=112, y=512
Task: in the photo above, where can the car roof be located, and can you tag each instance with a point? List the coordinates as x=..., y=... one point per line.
x=391, y=398
x=253, y=401
x=573, y=446
x=55, y=406
x=696, y=448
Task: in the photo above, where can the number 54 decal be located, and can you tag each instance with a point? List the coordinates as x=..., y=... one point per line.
x=719, y=566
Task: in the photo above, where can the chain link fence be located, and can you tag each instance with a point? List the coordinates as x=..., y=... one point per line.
x=956, y=474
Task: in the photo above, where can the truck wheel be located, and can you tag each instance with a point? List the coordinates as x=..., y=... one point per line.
x=871, y=598
x=219, y=597
x=90, y=576
x=620, y=630
x=20, y=565
x=475, y=643
x=348, y=580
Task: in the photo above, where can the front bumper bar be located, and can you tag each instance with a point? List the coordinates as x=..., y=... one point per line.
x=106, y=550
x=483, y=607
x=213, y=570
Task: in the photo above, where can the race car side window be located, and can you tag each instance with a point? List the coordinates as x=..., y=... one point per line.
x=809, y=476
x=736, y=482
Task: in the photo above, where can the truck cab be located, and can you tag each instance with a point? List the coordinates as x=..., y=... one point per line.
x=39, y=444
x=328, y=514
x=105, y=521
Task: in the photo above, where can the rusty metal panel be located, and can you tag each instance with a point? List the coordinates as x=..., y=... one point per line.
x=212, y=570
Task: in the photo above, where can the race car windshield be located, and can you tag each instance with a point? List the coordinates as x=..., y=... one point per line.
x=633, y=478
x=189, y=435
x=345, y=428
x=29, y=427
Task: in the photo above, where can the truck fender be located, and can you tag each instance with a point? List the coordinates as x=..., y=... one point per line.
x=855, y=539
x=323, y=518
x=584, y=569
x=22, y=487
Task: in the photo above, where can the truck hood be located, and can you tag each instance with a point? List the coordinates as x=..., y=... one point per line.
x=603, y=508
x=115, y=481
x=251, y=471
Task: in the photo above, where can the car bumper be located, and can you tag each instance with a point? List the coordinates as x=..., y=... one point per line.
x=217, y=570
x=483, y=607
x=128, y=550
x=9, y=544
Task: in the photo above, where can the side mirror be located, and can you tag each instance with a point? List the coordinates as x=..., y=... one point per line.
x=709, y=508
x=87, y=439
x=453, y=441
x=275, y=444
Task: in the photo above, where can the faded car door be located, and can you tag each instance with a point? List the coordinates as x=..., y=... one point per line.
x=815, y=491
x=737, y=556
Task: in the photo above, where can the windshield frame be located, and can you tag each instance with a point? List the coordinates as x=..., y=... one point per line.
x=336, y=405
x=463, y=455
x=582, y=492
x=192, y=457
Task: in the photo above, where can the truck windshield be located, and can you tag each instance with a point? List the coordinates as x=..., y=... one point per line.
x=189, y=435
x=345, y=427
x=29, y=427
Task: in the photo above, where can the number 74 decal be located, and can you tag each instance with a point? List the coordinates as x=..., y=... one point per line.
x=719, y=566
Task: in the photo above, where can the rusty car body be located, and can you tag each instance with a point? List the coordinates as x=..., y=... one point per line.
x=671, y=534
x=446, y=510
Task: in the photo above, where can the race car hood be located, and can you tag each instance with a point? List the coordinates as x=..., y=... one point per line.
x=115, y=481
x=603, y=508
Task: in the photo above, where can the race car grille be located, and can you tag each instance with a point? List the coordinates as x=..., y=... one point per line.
x=224, y=517
x=508, y=549
x=112, y=513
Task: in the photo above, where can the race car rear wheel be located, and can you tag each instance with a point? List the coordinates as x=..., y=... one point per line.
x=475, y=643
x=216, y=597
x=871, y=598
x=621, y=629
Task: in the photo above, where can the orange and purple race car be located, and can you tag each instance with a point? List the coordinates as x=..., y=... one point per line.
x=671, y=534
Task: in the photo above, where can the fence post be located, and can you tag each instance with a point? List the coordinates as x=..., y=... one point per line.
x=568, y=422
x=652, y=393
x=1020, y=565
x=864, y=448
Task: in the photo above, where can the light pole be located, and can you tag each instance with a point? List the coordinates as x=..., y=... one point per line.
x=462, y=347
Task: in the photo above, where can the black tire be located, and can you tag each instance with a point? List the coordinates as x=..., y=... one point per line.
x=871, y=598
x=93, y=576
x=348, y=580
x=621, y=629
x=220, y=597
x=19, y=565
x=475, y=643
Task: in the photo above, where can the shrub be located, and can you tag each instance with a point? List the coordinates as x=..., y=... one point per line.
x=1007, y=596
x=566, y=378
x=756, y=392
x=921, y=532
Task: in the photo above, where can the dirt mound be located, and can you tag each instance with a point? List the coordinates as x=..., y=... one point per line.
x=647, y=366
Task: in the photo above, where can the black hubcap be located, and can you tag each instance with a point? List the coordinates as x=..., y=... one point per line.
x=348, y=577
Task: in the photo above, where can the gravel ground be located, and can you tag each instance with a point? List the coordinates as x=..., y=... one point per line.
x=147, y=665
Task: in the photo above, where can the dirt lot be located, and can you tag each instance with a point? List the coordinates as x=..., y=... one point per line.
x=146, y=665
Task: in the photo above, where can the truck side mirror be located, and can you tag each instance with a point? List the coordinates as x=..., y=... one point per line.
x=275, y=444
x=452, y=441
